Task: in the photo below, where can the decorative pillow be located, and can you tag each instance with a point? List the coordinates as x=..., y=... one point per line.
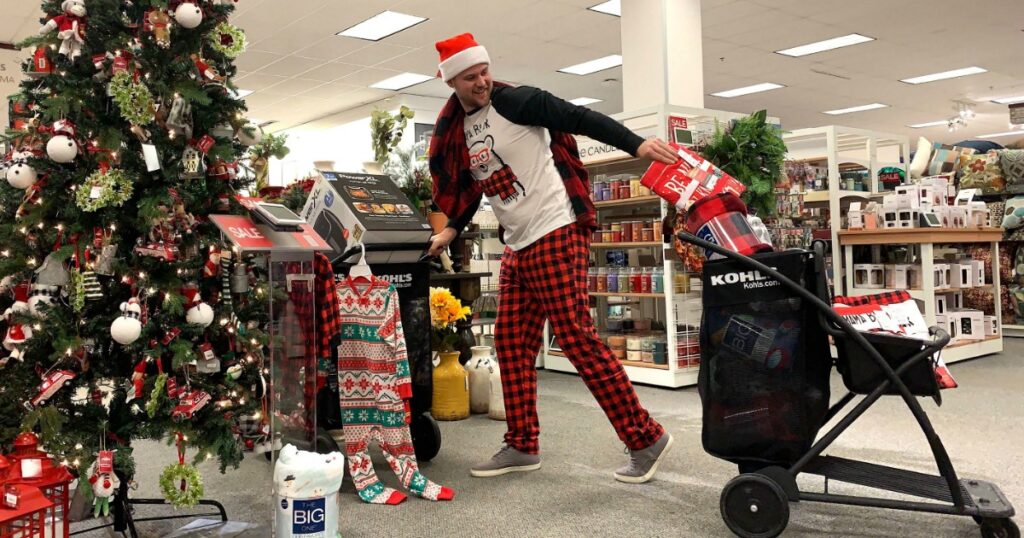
x=1012, y=162
x=984, y=254
x=982, y=172
x=996, y=210
x=980, y=299
x=1018, y=265
x=923, y=155
x=1013, y=217
x=946, y=158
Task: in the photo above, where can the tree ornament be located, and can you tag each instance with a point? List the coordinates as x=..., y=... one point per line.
x=77, y=294
x=180, y=482
x=70, y=27
x=188, y=15
x=205, y=73
x=158, y=22
x=127, y=328
x=41, y=64
x=52, y=271
x=133, y=98
x=91, y=287
x=223, y=130
x=62, y=149
x=104, y=188
x=212, y=265
x=20, y=173
x=228, y=40
x=193, y=165
x=52, y=382
x=105, y=482
x=179, y=119
x=208, y=362
x=250, y=134
x=222, y=170
x=197, y=312
x=42, y=294
x=17, y=333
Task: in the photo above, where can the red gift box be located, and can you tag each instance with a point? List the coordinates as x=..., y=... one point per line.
x=689, y=179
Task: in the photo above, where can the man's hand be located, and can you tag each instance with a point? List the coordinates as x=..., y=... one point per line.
x=441, y=241
x=657, y=149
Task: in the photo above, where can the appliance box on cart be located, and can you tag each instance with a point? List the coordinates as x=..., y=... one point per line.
x=348, y=208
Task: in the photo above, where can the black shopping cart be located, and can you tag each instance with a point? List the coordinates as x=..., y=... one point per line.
x=764, y=399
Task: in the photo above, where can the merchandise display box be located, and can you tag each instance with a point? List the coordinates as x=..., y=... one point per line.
x=855, y=217
x=962, y=274
x=869, y=276
x=970, y=324
x=897, y=277
x=979, y=272
x=991, y=326
x=942, y=275
x=348, y=208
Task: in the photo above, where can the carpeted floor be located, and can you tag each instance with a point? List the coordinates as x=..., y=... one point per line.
x=574, y=493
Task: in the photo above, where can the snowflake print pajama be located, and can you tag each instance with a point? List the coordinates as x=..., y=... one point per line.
x=374, y=383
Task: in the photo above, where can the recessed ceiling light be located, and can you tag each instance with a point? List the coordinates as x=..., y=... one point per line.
x=762, y=87
x=828, y=44
x=611, y=7
x=861, y=108
x=398, y=82
x=1009, y=100
x=240, y=93
x=1007, y=133
x=584, y=101
x=973, y=70
x=381, y=25
x=593, y=66
x=929, y=124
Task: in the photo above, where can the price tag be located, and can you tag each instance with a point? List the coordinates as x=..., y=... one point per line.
x=152, y=158
x=205, y=143
x=95, y=192
x=11, y=499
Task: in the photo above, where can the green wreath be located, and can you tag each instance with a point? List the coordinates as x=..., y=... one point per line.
x=115, y=188
x=228, y=40
x=133, y=99
x=193, y=485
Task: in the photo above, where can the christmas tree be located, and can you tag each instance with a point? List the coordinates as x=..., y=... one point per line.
x=124, y=324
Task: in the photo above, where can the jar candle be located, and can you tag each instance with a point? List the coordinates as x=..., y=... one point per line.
x=617, y=342
x=606, y=236
x=592, y=279
x=625, y=286
x=602, y=279
x=634, y=343
x=636, y=280
x=624, y=192
x=634, y=187
x=645, y=191
x=645, y=280
x=616, y=237
x=658, y=280
x=596, y=237
x=647, y=356
x=613, y=280
x=638, y=231
x=613, y=188
x=648, y=235
x=635, y=356
x=627, y=230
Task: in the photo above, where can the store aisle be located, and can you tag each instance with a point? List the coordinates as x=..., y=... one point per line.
x=574, y=494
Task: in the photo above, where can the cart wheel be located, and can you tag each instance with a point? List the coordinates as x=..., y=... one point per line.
x=754, y=506
x=426, y=436
x=999, y=528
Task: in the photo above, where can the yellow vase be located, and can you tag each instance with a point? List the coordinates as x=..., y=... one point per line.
x=451, y=389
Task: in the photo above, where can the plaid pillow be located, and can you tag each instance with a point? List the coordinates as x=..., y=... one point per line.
x=945, y=159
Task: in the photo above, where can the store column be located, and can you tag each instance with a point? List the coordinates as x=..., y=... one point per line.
x=662, y=57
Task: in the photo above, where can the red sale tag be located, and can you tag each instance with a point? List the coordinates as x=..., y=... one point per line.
x=105, y=462
x=205, y=143
x=120, y=65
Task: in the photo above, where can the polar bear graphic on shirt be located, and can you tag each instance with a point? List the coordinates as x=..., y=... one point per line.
x=499, y=181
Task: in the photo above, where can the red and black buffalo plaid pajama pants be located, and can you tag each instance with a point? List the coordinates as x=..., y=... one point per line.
x=548, y=279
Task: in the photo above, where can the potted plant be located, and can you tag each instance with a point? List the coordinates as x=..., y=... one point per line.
x=385, y=134
x=412, y=177
x=272, y=145
x=451, y=389
x=752, y=151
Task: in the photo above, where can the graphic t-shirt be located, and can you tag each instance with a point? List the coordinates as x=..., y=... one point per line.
x=518, y=175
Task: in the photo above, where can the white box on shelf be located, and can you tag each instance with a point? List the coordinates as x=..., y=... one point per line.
x=970, y=324
x=978, y=215
x=943, y=321
x=944, y=189
x=979, y=272
x=897, y=276
x=909, y=196
x=869, y=276
x=942, y=275
x=963, y=274
x=914, y=277
x=855, y=217
x=929, y=196
x=890, y=201
x=907, y=218
x=891, y=217
x=991, y=326
x=958, y=300
x=942, y=303
x=957, y=216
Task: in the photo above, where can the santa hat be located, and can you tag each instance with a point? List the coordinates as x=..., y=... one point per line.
x=192, y=297
x=458, y=54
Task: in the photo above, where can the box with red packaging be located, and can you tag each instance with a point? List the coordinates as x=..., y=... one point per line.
x=689, y=179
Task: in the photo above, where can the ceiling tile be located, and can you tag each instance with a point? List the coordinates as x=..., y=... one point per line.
x=331, y=90
x=254, y=60
x=375, y=54
x=368, y=76
x=292, y=87
x=330, y=71
x=291, y=66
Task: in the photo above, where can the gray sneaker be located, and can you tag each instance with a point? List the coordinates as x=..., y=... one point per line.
x=507, y=460
x=644, y=463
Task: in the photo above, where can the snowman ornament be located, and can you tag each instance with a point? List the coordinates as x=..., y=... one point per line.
x=17, y=333
x=197, y=311
x=128, y=326
x=20, y=173
x=105, y=483
x=62, y=148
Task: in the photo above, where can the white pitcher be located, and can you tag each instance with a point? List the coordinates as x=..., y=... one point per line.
x=497, y=407
x=479, y=368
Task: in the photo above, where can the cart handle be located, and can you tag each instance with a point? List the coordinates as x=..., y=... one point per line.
x=380, y=247
x=941, y=456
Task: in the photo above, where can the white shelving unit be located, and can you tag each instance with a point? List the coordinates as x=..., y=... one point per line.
x=679, y=312
x=841, y=149
x=927, y=239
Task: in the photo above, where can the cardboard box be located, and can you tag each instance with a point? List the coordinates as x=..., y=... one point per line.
x=942, y=303
x=914, y=280
x=942, y=275
x=869, y=276
x=970, y=324
x=978, y=215
x=891, y=218
x=897, y=276
x=991, y=326
x=963, y=274
x=907, y=218
x=943, y=321
x=870, y=219
x=855, y=217
x=909, y=196
x=689, y=179
x=979, y=272
x=348, y=208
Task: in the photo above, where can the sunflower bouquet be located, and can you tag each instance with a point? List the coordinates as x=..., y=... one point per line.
x=445, y=310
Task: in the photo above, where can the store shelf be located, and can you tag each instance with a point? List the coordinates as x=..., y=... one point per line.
x=637, y=295
x=630, y=244
x=1013, y=331
x=625, y=202
x=661, y=376
x=920, y=236
x=638, y=364
x=915, y=294
x=968, y=350
x=818, y=197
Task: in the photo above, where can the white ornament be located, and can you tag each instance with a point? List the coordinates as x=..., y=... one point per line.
x=128, y=326
x=62, y=149
x=42, y=294
x=200, y=314
x=20, y=174
x=250, y=134
x=188, y=15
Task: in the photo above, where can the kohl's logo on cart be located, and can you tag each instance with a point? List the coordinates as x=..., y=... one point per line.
x=749, y=279
x=400, y=281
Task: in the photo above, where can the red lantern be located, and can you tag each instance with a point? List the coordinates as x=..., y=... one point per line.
x=4, y=467
x=33, y=467
x=28, y=518
x=41, y=64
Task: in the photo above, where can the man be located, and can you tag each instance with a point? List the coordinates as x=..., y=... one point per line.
x=514, y=145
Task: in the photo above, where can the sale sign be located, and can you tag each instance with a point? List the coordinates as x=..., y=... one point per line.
x=689, y=179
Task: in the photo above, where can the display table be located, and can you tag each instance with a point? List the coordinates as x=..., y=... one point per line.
x=926, y=240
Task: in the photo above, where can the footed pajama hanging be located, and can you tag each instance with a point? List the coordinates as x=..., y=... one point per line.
x=374, y=384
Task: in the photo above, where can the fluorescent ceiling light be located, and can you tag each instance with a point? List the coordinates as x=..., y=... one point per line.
x=240, y=93
x=584, y=101
x=828, y=44
x=593, y=66
x=762, y=87
x=861, y=108
x=398, y=82
x=973, y=70
x=1007, y=133
x=381, y=25
x=1009, y=100
x=929, y=124
x=611, y=7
